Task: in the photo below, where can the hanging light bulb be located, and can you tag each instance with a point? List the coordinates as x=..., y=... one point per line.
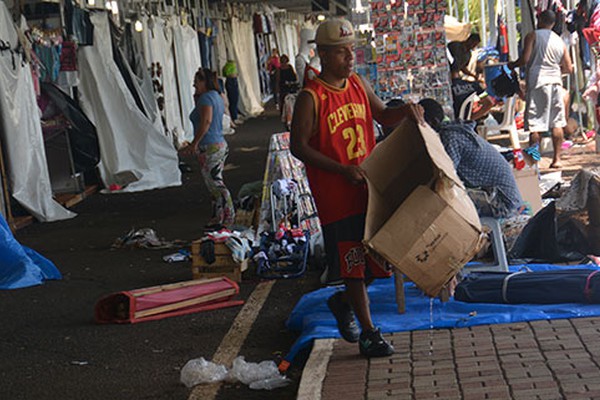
x=321, y=17
x=138, y=26
x=91, y=2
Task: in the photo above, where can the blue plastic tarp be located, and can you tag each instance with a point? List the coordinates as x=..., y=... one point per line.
x=21, y=266
x=313, y=319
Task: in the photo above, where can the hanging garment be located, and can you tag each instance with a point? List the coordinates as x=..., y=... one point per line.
x=68, y=56
x=240, y=38
x=22, y=132
x=49, y=57
x=133, y=151
x=78, y=24
x=187, y=57
x=158, y=49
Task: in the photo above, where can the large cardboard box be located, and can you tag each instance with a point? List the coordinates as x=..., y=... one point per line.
x=419, y=218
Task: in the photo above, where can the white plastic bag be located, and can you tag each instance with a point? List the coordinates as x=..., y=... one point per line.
x=263, y=375
x=198, y=371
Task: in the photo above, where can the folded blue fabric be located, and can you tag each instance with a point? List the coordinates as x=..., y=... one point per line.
x=534, y=152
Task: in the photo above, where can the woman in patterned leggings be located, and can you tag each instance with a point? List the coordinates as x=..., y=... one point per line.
x=210, y=146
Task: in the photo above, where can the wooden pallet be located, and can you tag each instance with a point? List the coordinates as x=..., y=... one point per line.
x=224, y=265
x=68, y=200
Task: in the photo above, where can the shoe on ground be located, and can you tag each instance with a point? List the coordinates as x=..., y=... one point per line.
x=372, y=344
x=344, y=317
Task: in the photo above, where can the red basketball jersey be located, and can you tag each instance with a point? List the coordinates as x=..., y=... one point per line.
x=345, y=134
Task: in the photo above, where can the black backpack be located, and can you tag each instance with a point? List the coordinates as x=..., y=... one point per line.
x=506, y=84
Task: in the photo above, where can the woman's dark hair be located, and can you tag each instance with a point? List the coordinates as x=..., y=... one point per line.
x=434, y=113
x=208, y=76
x=284, y=59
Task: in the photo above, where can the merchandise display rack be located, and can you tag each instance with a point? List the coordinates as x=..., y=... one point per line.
x=410, y=51
x=282, y=165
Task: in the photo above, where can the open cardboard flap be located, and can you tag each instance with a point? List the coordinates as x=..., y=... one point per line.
x=419, y=216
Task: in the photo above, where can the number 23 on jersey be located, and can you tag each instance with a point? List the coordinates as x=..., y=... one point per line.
x=355, y=137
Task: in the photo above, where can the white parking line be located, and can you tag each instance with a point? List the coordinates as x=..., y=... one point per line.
x=311, y=383
x=234, y=339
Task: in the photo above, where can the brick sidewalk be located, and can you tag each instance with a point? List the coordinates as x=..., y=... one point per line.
x=557, y=359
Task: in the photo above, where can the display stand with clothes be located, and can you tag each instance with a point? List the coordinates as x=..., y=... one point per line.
x=282, y=166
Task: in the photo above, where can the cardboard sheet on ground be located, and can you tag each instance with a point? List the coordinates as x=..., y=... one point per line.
x=313, y=319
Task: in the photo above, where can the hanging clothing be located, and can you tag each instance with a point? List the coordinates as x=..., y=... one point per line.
x=21, y=131
x=78, y=24
x=68, y=56
x=49, y=57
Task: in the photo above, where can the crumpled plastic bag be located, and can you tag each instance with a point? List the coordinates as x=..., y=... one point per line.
x=249, y=372
x=198, y=371
x=263, y=375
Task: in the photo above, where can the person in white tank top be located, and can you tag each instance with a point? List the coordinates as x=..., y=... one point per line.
x=546, y=58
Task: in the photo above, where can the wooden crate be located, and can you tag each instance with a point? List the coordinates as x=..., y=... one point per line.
x=248, y=218
x=224, y=264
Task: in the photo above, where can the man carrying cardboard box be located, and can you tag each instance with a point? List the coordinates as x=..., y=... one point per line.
x=332, y=133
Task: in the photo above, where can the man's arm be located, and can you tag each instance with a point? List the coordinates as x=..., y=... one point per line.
x=566, y=65
x=486, y=104
x=466, y=71
x=388, y=116
x=526, y=54
x=303, y=128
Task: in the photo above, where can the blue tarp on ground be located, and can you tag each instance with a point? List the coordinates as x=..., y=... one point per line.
x=313, y=319
x=21, y=266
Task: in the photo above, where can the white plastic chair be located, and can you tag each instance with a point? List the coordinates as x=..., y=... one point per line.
x=500, y=259
x=466, y=108
x=508, y=124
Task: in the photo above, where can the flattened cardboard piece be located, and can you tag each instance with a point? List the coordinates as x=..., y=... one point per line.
x=529, y=186
x=427, y=240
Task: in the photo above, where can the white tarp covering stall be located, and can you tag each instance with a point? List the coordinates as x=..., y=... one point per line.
x=22, y=131
x=133, y=151
x=187, y=58
x=157, y=43
x=239, y=37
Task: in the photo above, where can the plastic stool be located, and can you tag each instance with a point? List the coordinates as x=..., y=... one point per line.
x=500, y=260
